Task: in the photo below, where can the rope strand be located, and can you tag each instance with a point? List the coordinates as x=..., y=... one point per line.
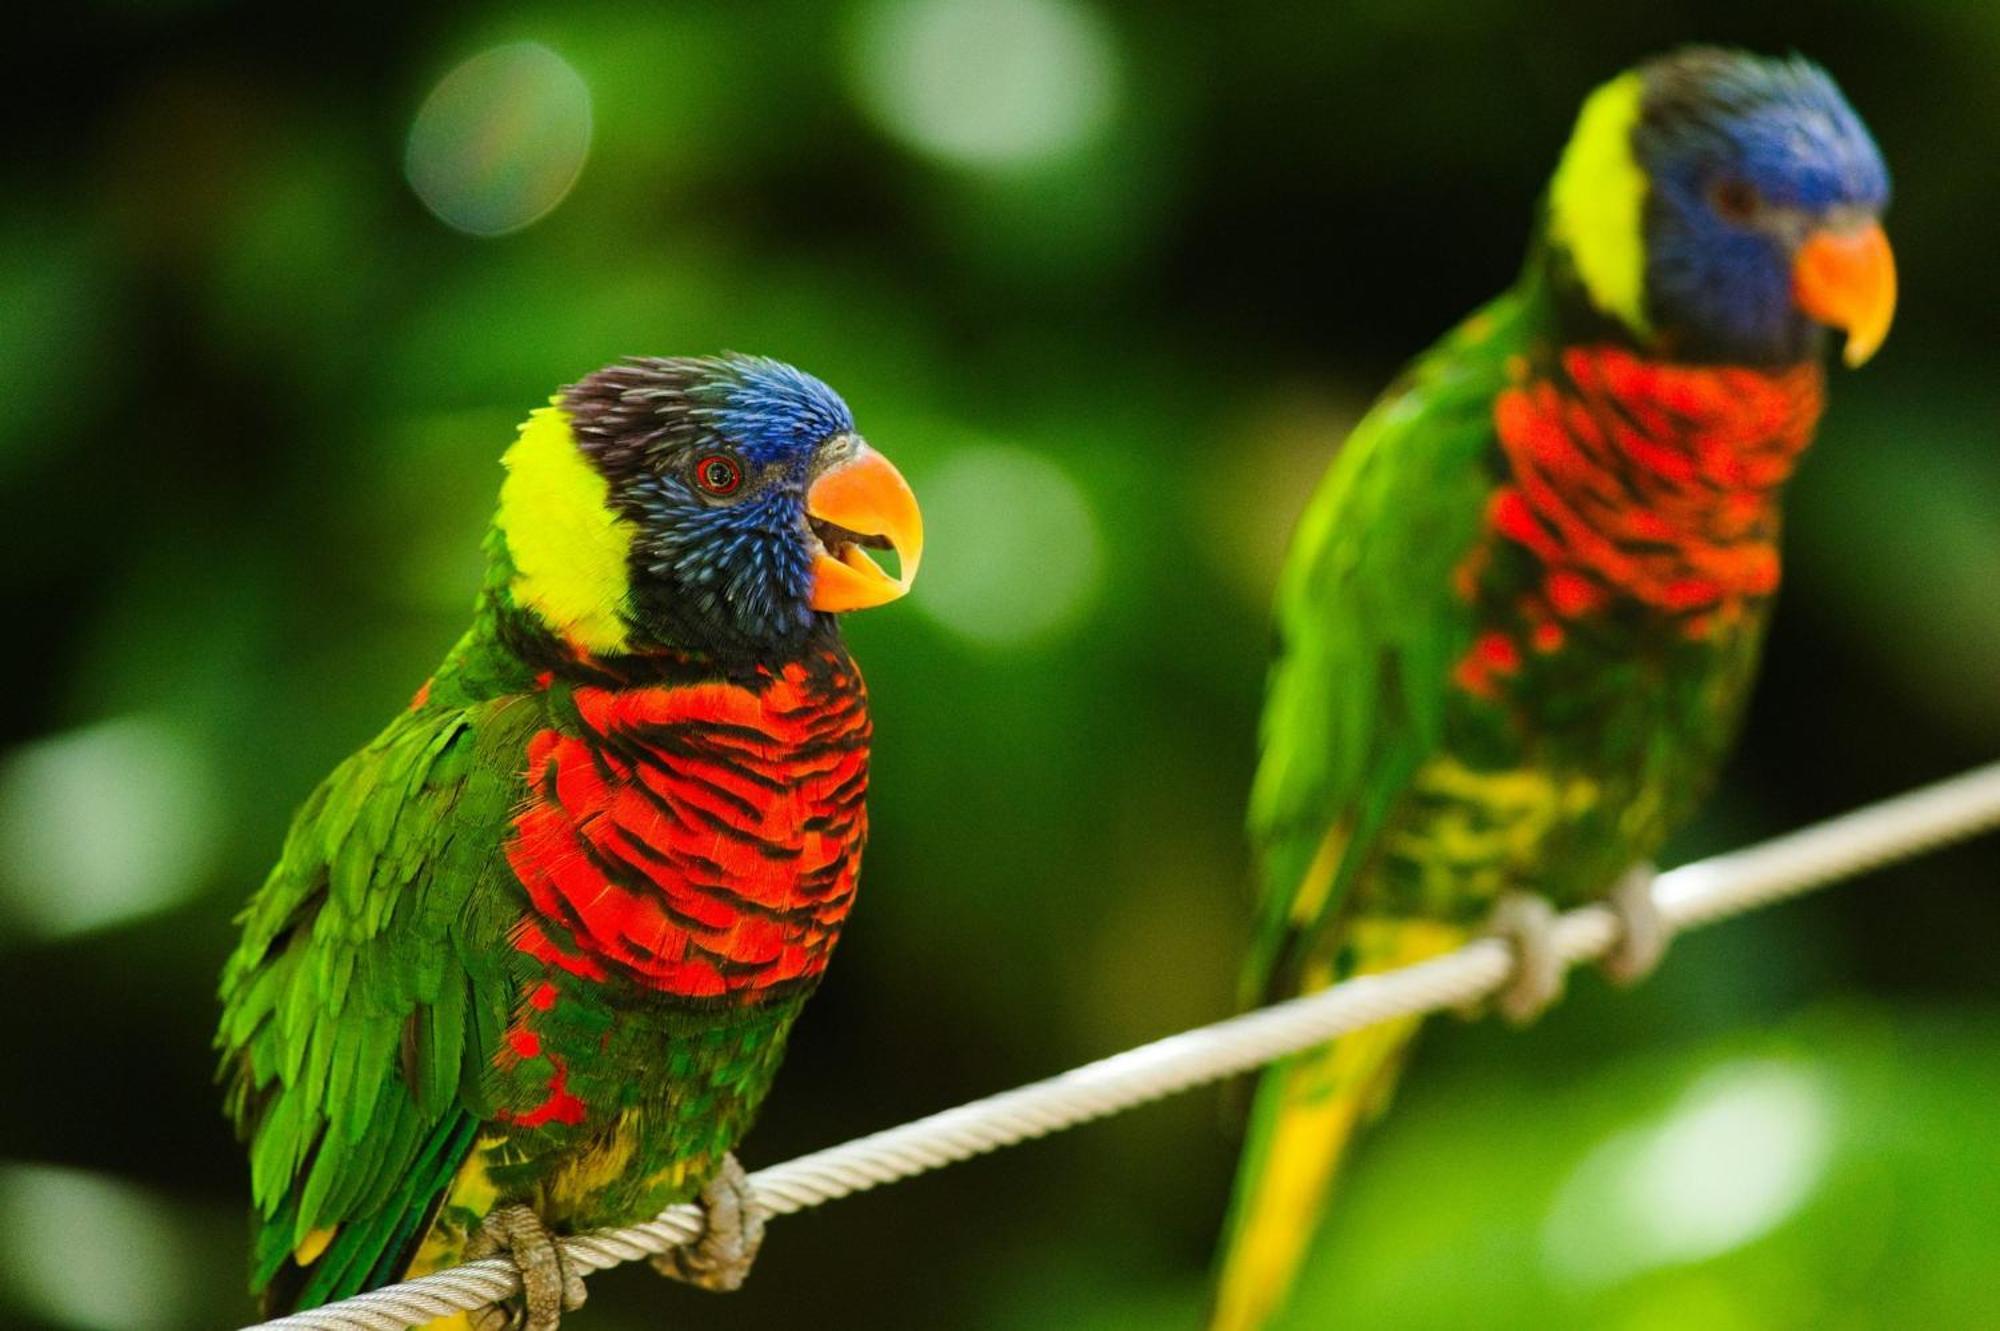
x=1689, y=897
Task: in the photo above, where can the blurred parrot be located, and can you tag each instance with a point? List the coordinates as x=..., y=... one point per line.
x=527, y=962
x=1522, y=612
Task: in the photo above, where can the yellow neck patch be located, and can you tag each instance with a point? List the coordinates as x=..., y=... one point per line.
x=567, y=545
x=1597, y=203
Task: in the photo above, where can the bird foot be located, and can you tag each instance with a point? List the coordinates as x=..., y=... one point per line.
x=548, y=1287
x=1643, y=932
x=1526, y=921
x=720, y=1259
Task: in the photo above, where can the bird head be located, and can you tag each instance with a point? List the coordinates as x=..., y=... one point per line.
x=1720, y=206
x=720, y=505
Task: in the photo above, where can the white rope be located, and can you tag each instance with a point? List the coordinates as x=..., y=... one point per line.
x=1688, y=897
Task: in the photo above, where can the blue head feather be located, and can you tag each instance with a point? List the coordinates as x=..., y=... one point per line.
x=773, y=412
x=729, y=573
x=1744, y=155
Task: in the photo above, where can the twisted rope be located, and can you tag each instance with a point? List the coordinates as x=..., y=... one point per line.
x=1689, y=897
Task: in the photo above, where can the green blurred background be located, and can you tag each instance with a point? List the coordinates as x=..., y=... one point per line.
x=1109, y=283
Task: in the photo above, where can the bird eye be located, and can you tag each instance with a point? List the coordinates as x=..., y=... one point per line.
x=1736, y=201
x=719, y=474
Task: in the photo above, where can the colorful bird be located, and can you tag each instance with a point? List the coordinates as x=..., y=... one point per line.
x=1522, y=612
x=528, y=960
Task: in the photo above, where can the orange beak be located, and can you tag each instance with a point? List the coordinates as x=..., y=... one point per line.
x=863, y=497
x=1845, y=277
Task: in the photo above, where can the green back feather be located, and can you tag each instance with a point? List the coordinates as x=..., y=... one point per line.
x=1368, y=631
x=365, y=1001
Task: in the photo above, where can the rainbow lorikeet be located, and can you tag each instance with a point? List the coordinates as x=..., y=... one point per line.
x=1522, y=613
x=528, y=960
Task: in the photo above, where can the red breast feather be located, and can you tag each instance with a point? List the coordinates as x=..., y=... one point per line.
x=699, y=840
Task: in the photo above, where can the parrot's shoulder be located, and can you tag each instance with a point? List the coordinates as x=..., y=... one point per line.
x=1433, y=423
x=403, y=811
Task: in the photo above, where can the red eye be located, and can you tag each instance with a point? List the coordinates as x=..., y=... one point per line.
x=1736, y=201
x=719, y=474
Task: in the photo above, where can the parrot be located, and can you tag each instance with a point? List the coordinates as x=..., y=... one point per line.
x=527, y=961
x=1521, y=613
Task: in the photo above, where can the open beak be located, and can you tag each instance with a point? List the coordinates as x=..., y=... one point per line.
x=1845, y=277
x=862, y=502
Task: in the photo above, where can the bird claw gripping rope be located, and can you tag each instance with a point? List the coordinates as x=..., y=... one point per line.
x=1525, y=921
x=721, y=1258
x=548, y=1287
x=1643, y=930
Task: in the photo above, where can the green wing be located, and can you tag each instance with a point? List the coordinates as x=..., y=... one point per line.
x=1368, y=632
x=369, y=992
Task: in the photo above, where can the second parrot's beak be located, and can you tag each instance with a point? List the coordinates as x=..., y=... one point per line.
x=1845, y=277
x=862, y=501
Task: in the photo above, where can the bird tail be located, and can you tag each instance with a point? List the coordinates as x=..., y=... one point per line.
x=1306, y=1111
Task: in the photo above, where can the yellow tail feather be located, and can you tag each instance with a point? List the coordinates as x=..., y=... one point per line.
x=1306, y=1112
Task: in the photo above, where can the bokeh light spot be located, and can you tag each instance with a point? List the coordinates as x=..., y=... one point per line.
x=102, y=825
x=1740, y=1153
x=1014, y=553
x=989, y=84
x=500, y=140
x=91, y=1251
